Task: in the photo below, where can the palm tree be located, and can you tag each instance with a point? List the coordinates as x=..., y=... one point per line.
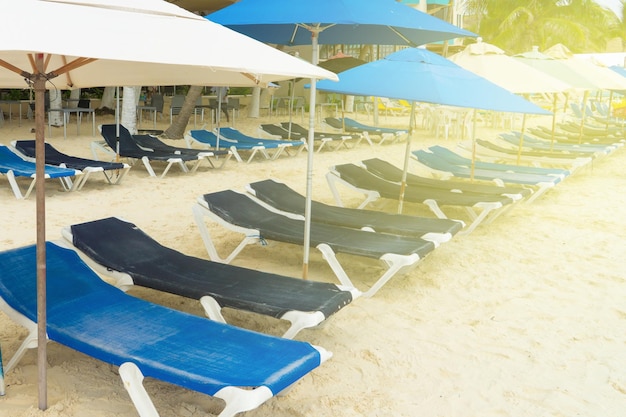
x=581, y=25
x=179, y=124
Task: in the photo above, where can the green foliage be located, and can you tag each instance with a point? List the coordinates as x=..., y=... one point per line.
x=581, y=25
x=243, y=91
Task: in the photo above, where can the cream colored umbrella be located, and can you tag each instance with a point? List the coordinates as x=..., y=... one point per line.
x=97, y=44
x=494, y=64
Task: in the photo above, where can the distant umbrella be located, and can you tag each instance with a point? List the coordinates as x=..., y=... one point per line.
x=337, y=65
x=418, y=75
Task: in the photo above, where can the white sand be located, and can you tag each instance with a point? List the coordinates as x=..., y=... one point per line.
x=523, y=317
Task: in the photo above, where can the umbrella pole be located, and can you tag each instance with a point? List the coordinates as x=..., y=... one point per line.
x=608, y=115
x=309, y=169
x=473, y=166
x=40, y=191
x=521, y=139
x=293, y=89
x=218, y=118
x=554, y=110
x=582, y=119
x=117, y=125
x=407, y=154
x=2, y=387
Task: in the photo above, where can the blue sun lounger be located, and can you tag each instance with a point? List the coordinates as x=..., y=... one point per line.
x=456, y=159
x=350, y=125
x=144, y=339
x=542, y=183
x=237, y=143
x=14, y=167
x=546, y=143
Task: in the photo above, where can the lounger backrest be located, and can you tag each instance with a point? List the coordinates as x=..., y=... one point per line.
x=123, y=140
x=121, y=246
x=282, y=197
x=9, y=161
x=54, y=157
x=361, y=178
x=93, y=317
x=392, y=173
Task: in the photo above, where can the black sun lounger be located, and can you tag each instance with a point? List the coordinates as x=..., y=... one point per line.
x=113, y=171
x=152, y=142
x=479, y=207
x=128, y=148
x=392, y=173
x=342, y=139
x=280, y=132
x=118, y=246
x=387, y=134
x=239, y=212
x=14, y=167
x=281, y=197
x=277, y=131
x=84, y=313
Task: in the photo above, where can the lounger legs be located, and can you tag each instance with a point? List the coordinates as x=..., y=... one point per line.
x=133, y=382
x=198, y=213
x=395, y=264
x=31, y=340
x=239, y=400
x=29, y=343
x=301, y=320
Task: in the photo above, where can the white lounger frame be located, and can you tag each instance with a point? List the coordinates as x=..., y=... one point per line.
x=395, y=263
x=114, y=177
x=482, y=212
x=436, y=238
x=100, y=145
x=260, y=150
x=66, y=183
x=538, y=189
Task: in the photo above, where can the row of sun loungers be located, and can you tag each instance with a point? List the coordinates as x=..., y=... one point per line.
x=148, y=149
x=237, y=143
x=118, y=142
x=242, y=367
x=385, y=134
x=324, y=140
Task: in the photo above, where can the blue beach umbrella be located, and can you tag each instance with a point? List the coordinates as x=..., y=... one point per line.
x=301, y=22
x=418, y=75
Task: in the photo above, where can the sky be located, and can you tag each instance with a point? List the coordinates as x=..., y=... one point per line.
x=614, y=5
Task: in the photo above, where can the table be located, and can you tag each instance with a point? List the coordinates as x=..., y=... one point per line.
x=150, y=109
x=79, y=116
x=320, y=110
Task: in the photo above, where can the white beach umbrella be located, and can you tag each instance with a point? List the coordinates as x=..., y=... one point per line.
x=121, y=42
x=494, y=64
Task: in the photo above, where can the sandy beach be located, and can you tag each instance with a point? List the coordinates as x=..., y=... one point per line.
x=523, y=317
